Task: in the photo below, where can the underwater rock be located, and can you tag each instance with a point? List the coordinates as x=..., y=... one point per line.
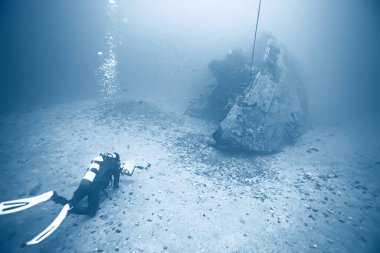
x=272, y=111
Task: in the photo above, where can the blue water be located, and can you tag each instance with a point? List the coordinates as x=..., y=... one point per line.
x=79, y=77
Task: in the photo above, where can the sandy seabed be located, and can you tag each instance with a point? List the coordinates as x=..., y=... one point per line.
x=319, y=195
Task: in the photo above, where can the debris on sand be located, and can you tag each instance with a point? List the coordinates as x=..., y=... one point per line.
x=311, y=150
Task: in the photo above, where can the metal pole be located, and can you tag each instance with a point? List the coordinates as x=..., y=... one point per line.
x=254, y=41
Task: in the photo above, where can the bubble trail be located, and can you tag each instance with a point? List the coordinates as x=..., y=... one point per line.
x=108, y=70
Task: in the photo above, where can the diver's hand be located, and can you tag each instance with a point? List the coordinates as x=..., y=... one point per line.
x=147, y=166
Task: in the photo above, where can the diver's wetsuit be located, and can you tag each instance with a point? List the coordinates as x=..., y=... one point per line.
x=97, y=177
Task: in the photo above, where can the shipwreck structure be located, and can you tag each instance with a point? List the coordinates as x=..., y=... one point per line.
x=262, y=113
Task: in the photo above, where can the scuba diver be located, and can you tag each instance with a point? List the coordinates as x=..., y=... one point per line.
x=103, y=170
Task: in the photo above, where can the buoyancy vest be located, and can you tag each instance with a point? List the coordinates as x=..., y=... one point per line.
x=100, y=171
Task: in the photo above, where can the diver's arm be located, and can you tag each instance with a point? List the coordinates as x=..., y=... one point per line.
x=116, y=177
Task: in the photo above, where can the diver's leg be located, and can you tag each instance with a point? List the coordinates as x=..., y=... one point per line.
x=93, y=202
x=79, y=194
x=59, y=199
x=79, y=210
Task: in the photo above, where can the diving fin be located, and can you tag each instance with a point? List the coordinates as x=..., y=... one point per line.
x=52, y=227
x=17, y=205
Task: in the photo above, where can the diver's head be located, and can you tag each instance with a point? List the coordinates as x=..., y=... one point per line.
x=117, y=161
x=116, y=156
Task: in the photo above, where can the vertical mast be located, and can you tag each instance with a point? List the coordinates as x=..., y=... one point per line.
x=254, y=40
